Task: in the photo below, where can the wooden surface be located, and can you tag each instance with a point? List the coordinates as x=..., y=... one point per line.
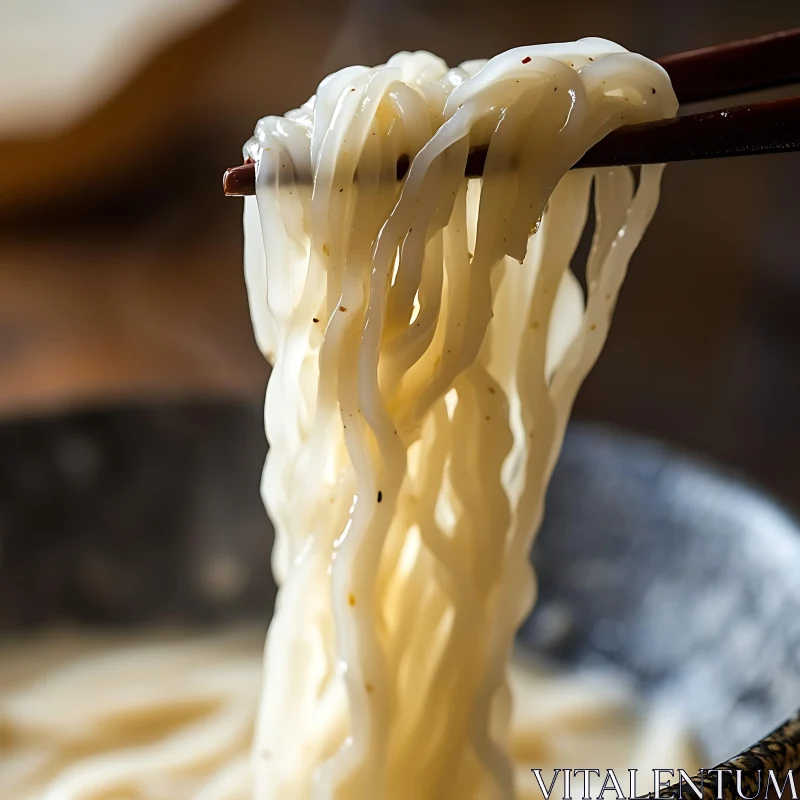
x=153, y=306
x=114, y=290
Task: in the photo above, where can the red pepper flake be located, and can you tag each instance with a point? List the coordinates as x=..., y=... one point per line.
x=526, y=60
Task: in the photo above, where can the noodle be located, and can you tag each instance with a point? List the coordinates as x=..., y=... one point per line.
x=428, y=340
x=170, y=717
x=93, y=717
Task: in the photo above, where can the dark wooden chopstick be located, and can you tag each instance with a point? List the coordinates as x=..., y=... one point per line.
x=769, y=127
x=736, y=67
x=761, y=128
x=723, y=70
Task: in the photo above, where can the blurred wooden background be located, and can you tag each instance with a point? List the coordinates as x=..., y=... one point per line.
x=121, y=287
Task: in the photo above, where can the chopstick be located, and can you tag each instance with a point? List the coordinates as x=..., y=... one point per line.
x=760, y=128
x=763, y=62
x=769, y=127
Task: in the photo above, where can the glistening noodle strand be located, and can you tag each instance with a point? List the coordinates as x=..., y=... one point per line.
x=428, y=340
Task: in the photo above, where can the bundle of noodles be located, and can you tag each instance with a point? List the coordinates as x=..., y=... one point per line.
x=428, y=340
x=151, y=716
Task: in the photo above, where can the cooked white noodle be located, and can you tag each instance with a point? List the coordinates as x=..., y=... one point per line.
x=428, y=340
x=170, y=717
x=95, y=717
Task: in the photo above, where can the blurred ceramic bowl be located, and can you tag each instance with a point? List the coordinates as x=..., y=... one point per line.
x=679, y=574
x=650, y=561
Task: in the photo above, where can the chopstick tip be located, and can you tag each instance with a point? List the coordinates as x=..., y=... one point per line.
x=239, y=181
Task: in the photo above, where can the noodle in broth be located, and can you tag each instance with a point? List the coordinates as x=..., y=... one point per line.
x=428, y=339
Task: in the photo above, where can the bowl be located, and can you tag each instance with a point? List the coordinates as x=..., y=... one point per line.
x=653, y=562
x=681, y=575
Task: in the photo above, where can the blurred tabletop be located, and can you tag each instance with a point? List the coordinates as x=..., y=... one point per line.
x=120, y=261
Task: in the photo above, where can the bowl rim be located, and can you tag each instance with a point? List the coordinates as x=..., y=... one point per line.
x=778, y=751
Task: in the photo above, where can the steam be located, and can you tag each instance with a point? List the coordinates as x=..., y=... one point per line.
x=373, y=30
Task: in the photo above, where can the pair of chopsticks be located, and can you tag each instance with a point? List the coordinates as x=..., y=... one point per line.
x=713, y=72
